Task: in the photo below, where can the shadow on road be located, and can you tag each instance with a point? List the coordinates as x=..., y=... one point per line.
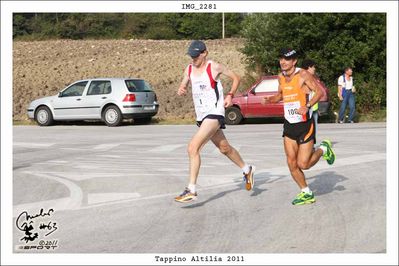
x=217, y=196
x=321, y=184
x=260, y=179
x=326, y=182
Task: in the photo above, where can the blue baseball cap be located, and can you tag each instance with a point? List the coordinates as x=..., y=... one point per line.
x=196, y=48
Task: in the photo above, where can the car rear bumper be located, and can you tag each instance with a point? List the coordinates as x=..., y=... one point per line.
x=138, y=110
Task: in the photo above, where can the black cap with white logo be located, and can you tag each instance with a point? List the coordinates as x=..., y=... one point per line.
x=288, y=53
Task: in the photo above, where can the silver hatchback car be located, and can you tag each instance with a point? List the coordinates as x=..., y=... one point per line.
x=106, y=99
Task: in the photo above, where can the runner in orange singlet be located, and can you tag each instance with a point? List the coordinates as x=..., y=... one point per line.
x=295, y=85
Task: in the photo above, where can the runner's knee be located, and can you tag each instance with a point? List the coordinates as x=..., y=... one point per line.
x=225, y=148
x=292, y=164
x=304, y=165
x=192, y=149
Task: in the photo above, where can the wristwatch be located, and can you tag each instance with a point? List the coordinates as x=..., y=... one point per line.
x=308, y=105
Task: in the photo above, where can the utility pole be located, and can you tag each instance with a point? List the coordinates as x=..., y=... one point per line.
x=223, y=25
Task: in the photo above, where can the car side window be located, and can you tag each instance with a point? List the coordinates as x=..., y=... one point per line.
x=98, y=87
x=75, y=89
x=267, y=85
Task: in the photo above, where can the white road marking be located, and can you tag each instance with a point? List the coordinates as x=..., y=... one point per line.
x=54, y=162
x=74, y=200
x=34, y=207
x=32, y=145
x=270, y=174
x=74, y=149
x=106, y=146
x=96, y=198
x=109, y=156
x=79, y=176
x=57, y=161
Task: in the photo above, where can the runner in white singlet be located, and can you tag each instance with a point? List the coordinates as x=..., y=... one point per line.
x=209, y=103
x=207, y=93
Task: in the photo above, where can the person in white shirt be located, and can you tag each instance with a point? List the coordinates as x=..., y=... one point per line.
x=209, y=104
x=346, y=93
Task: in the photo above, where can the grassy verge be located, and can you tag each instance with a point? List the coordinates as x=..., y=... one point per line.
x=154, y=121
x=23, y=123
x=373, y=116
x=376, y=116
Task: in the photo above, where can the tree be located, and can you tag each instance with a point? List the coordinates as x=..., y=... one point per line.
x=333, y=40
x=125, y=25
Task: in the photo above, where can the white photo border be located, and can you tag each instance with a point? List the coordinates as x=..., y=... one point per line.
x=388, y=7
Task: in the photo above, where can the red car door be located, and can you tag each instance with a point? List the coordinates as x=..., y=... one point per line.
x=267, y=87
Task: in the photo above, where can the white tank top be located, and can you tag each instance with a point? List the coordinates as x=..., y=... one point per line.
x=207, y=93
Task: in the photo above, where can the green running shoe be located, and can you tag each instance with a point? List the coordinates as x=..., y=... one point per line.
x=329, y=156
x=304, y=198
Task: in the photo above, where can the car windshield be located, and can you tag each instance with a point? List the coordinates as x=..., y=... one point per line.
x=134, y=85
x=267, y=85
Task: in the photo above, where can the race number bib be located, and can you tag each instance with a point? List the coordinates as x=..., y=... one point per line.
x=204, y=100
x=291, y=112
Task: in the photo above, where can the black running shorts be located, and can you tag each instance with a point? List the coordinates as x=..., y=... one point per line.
x=302, y=132
x=220, y=118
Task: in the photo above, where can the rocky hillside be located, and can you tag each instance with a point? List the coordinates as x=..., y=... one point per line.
x=43, y=68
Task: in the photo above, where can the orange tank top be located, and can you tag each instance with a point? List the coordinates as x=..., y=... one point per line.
x=294, y=97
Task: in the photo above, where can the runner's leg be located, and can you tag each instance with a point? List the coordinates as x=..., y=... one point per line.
x=291, y=148
x=208, y=128
x=307, y=156
x=220, y=141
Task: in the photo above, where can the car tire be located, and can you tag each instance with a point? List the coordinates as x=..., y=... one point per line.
x=112, y=116
x=43, y=116
x=233, y=116
x=142, y=120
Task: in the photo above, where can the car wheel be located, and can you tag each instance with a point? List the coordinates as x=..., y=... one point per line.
x=43, y=116
x=112, y=116
x=142, y=120
x=233, y=116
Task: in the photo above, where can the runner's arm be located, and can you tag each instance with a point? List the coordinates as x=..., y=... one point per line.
x=221, y=69
x=183, y=85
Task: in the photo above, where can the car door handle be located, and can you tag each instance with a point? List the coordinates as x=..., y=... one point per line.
x=104, y=97
x=78, y=99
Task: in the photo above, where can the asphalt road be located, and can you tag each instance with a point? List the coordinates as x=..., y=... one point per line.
x=112, y=189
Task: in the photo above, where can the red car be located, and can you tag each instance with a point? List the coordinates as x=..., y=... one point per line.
x=248, y=105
